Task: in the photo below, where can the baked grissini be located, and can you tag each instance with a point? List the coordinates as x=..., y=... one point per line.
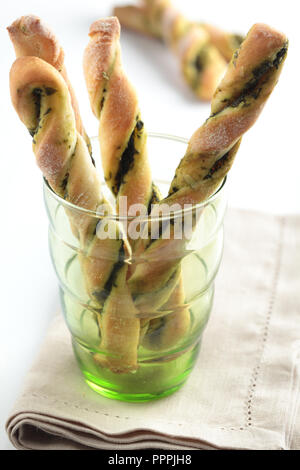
x=42, y=101
x=250, y=79
x=140, y=19
x=122, y=134
x=32, y=37
x=202, y=64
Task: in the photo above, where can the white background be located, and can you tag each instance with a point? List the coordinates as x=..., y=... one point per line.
x=265, y=176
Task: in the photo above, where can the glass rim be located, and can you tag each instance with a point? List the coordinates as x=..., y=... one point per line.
x=117, y=217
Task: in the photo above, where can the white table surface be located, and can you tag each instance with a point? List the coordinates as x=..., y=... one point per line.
x=265, y=176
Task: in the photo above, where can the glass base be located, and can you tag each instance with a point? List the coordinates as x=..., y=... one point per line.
x=153, y=380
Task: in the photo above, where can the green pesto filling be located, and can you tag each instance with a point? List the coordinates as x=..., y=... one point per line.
x=103, y=99
x=217, y=166
x=155, y=197
x=37, y=94
x=173, y=190
x=103, y=295
x=64, y=184
x=127, y=158
x=198, y=66
x=65, y=181
x=49, y=91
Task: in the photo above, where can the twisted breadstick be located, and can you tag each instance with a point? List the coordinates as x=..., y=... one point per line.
x=31, y=37
x=201, y=63
x=122, y=134
x=42, y=101
x=114, y=102
x=239, y=100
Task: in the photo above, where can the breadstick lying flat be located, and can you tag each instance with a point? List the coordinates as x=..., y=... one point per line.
x=140, y=19
x=237, y=103
x=42, y=101
x=32, y=37
x=202, y=64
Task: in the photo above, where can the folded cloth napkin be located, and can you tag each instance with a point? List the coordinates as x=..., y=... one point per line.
x=244, y=391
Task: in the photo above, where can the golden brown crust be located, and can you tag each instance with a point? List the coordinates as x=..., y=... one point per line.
x=261, y=46
x=26, y=76
x=114, y=102
x=42, y=101
x=98, y=58
x=32, y=37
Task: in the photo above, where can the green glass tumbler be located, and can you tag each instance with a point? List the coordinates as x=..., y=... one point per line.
x=171, y=333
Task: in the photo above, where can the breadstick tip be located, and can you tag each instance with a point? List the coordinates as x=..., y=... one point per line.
x=264, y=31
x=262, y=40
x=106, y=26
x=32, y=37
x=27, y=25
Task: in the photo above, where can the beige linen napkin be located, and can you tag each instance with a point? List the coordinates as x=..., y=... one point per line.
x=244, y=391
